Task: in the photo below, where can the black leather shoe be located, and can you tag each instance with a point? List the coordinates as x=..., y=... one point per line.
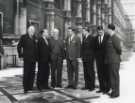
x=84, y=88
x=69, y=86
x=73, y=87
x=99, y=91
x=25, y=91
x=106, y=91
x=114, y=96
x=47, y=87
x=91, y=89
x=59, y=86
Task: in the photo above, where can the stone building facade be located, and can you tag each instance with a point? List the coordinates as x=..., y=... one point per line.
x=16, y=15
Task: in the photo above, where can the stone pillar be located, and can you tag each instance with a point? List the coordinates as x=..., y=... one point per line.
x=99, y=14
x=94, y=12
x=49, y=13
x=67, y=9
x=20, y=18
x=79, y=12
x=88, y=13
x=79, y=18
x=110, y=12
x=23, y=21
x=106, y=10
x=17, y=18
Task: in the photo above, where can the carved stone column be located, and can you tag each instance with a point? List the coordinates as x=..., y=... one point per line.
x=79, y=12
x=110, y=12
x=106, y=10
x=99, y=14
x=67, y=9
x=88, y=13
x=49, y=13
x=20, y=17
x=94, y=12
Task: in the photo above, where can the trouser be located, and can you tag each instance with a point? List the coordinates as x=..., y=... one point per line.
x=43, y=75
x=89, y=73
x=103, y=77
x=72, y=69
x=28, y=75
x=56, y=72
x=114, y=77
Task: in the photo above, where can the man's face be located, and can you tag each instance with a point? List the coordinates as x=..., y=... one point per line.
x=45, y=33
x=56, y=34
x=31, y=30
x=69, y=32
x=109, y=31
x=84, y=31
x=100, y=32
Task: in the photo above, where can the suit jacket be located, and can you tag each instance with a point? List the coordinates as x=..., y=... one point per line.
x=113, y=50
x=87, y=47
x=43, y=50
x=57, y=49
x=99, y=49
x=27, y=48
x=73, y=48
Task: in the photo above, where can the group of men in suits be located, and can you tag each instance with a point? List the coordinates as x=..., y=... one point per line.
x=51, y=51
x=107, y=54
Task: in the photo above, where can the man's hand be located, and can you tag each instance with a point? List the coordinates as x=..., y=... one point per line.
x=21, y=59
x=79, y=59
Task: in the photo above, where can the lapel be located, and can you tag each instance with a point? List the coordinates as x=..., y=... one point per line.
x=104, y=40
x=44, y=42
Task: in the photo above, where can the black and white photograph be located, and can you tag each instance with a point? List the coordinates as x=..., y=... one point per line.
x=67, y=51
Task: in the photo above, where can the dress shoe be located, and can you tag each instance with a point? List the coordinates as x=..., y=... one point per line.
x=25, y=91
x=84, y=88
x=74, y=87
x=114, y=96
x=106, y=91
x=69, y=86
x=99, y=91
x=53, y=86
x=59, y=86
x=91, y=89
x=47, y=87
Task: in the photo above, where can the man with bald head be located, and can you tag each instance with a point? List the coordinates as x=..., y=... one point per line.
x=27, y=50
x=57, y=56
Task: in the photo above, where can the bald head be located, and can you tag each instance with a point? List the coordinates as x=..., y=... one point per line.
x=56, y=33
x=31, y=30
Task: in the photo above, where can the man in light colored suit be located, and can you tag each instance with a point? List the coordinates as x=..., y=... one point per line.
x=73, y=45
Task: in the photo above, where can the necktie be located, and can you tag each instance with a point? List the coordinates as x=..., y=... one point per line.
x=69, y=40
x=100, y=40
x=46, y=41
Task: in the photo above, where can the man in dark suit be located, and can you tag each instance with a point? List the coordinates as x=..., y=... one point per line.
x=73, y=44
x=43, y=60
x=57, y=56
x=102, y=71
x=88, y=59
x=27, y=50
x=112, y=59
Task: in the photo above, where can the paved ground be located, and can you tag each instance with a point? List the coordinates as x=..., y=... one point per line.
x=11, y=88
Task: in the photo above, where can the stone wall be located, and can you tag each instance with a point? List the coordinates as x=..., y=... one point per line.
x=8, y=9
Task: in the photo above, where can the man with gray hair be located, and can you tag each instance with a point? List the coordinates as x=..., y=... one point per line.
x=57, y=56
x=27, y=50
